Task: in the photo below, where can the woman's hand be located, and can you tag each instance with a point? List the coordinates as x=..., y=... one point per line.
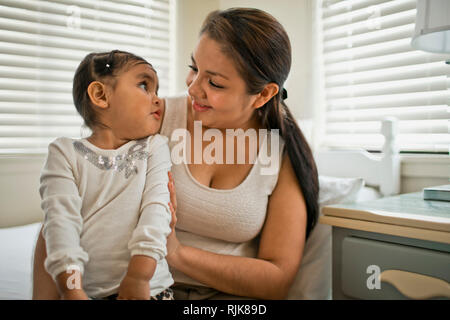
x=172, y=242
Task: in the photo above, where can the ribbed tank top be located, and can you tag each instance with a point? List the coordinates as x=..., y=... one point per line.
x=222, y=221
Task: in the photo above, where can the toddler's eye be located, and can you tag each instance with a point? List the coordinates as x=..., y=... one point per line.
x=143, y=86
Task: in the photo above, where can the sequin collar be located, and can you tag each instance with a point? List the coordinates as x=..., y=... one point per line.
x=119, y=162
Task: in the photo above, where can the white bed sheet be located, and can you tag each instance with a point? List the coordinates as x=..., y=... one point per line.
x=16, y=261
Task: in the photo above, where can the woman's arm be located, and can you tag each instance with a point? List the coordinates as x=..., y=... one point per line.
x=270, y=274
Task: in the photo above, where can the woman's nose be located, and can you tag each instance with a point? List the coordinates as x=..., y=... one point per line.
x=195, y=88
x=190, y=78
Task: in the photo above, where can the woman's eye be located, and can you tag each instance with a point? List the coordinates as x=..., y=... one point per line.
x=215, y=85
x=193, y=68
x=212, y=83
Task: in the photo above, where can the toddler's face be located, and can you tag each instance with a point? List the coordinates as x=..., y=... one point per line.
x=135, y=109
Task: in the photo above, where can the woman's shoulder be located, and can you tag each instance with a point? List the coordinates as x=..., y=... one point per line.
x=175, y=114
x=175, y=104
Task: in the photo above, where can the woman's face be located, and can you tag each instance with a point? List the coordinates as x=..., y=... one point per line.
x=218, y=92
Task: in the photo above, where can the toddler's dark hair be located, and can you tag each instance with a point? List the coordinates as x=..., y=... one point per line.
x=104, y=67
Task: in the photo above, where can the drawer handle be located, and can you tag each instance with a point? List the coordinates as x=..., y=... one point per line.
x=416, y=286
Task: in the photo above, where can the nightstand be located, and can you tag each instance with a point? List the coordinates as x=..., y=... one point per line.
x=392, y=248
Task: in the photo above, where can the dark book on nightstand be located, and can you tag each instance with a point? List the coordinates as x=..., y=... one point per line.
x=441, y=193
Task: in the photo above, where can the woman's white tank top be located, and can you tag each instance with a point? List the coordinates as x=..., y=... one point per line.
x=221, y=221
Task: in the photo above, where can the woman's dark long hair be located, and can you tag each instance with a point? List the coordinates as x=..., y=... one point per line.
x=261, y=49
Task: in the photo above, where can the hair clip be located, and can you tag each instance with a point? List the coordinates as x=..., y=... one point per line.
x=284, y=94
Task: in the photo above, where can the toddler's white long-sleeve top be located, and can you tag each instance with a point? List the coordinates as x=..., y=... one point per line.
x=104, y=206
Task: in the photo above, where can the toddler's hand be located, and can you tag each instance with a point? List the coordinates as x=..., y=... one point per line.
x=132, y=288
x=74, y=295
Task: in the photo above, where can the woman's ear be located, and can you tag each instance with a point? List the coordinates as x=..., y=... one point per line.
x=270, y=90
x=97, y=93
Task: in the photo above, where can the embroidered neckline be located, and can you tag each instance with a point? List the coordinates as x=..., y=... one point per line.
x=119, y=162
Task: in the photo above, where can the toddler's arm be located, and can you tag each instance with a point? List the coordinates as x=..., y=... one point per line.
x=61, y=204
x=148, y=242
x=69, y=285
x=136, y=283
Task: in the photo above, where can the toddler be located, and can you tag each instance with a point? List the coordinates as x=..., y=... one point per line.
x=105, y=198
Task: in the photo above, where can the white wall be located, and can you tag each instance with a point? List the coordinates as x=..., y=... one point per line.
x=189, y=18
x=294, y=15
x=19, y=190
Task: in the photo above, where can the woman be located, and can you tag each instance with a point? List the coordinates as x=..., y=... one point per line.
x=239, y=232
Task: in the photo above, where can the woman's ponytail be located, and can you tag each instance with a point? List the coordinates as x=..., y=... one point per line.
x=276, y=115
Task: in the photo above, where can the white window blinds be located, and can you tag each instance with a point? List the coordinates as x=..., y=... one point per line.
x=371, y=72
x=42, y=43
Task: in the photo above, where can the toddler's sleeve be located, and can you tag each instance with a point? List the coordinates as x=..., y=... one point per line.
x=150, y=236
x=61, y=204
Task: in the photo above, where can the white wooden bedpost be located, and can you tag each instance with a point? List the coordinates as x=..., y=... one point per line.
x=391, y=159
x=381, y=170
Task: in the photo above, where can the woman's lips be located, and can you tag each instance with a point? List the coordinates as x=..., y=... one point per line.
x=199, y=107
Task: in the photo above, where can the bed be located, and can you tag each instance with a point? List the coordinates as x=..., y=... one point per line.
x=368, y=177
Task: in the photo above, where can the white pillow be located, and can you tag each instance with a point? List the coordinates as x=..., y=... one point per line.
x=313, y=279
x=334, y=190
x=368, y=194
